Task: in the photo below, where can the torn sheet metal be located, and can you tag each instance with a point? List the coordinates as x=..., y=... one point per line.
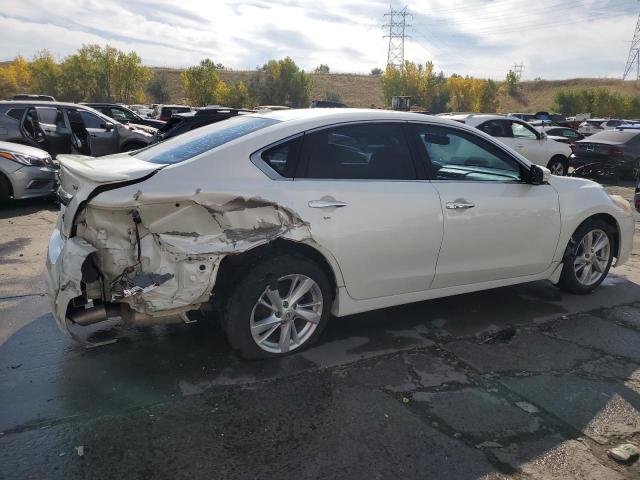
x=163, y=257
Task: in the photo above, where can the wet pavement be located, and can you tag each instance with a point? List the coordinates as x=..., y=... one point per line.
x=512, y=383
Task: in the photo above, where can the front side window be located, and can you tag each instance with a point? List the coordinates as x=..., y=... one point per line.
x=90, y=120
x=522, y=131
x=16, y=113
x=497, y=128
x=458, y=155
x=361, y=151
x=188, y=145
x=121, y=115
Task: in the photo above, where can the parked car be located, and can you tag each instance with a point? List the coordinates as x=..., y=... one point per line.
x=327, y=104
x=25, y=172
x=32, y=96
x=180, y=123
x=277, y=220
x=522, y=137
x=637, y=197
x=68, y=128
x=124, y=115
x=562, y=134
x=611, y=153
x=164, y=112
x=595, y=125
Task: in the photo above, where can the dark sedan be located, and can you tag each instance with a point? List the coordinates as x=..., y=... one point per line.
x=124, y=115
x=180, y=123
x=612, y=153
x=637, y=197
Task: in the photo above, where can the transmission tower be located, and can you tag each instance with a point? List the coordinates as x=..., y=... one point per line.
x=633, y=62
x=518, y=69
x=397, y=27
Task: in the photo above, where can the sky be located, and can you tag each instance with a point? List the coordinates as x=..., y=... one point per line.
x=554, y=39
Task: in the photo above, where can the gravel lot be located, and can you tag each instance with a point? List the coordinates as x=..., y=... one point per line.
x=518, y=382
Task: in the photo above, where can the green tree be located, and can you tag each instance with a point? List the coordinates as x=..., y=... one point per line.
x=237, y=96
x=322, y=68
x=202, y=84
x=158, y=88
x=129, y=78
x=426, y=88
x=511, y=83
x=376, y=72
x=281, y=82
x=45, y=74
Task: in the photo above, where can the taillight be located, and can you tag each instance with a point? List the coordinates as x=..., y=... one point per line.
x=615, y=152
x=164, y=118
x=572, y=146
x=638, y=203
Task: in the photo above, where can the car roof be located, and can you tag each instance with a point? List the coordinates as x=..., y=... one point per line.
x=342, y=114
x=478, y=118
x=44, y=103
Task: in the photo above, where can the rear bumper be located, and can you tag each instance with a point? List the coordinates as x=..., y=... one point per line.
x=64, y=273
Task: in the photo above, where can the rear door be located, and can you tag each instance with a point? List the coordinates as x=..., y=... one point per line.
x=57, y=133
x=360, y=192
x=103, y=137
x=496, y=226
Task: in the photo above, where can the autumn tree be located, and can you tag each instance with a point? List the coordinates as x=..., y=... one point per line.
x=45, y=74
x=281, y=82
x=158, y=88
x=202, y=84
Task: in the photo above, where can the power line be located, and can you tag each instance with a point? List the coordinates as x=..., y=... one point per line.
x=518, y=69
x=397, y=33
x=633, y=60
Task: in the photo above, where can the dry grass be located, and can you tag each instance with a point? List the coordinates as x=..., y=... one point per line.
x=366, y=90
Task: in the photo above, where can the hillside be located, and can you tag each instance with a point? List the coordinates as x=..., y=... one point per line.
x=366, y=90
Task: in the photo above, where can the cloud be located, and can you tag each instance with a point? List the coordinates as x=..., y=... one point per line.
x=554, y=38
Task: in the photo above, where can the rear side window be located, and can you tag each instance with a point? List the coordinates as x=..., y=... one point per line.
x=497, y=128
x=283, y=158
x=186, y=146
x=16, y=113
x=365, y=151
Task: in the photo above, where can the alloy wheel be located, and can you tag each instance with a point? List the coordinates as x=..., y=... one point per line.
x=557, y=168
x=286, y=314
x=592, y=257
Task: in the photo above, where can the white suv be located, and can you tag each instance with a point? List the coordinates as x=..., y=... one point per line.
x=523, y=138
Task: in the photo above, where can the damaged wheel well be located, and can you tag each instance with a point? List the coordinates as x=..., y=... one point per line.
x=232, y=267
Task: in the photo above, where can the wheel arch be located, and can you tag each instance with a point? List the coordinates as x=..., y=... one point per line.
x=6, y=178
x=233, y=266
x=563, y=158
x=609, y=220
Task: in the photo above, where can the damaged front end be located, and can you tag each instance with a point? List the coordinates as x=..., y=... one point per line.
x=153, y=261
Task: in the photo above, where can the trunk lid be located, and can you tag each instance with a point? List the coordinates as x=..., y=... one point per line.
x=81, y=176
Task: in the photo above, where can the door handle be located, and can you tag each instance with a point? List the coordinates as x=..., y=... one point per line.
x=326, y=203
x=459, y=205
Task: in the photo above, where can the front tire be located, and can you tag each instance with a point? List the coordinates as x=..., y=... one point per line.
x=558, y=166
x=588, y=257
x=278, y=306
x=5, y=191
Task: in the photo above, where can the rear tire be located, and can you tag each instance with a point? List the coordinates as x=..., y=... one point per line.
x=258, y=317
x=558, y=166
x=588, y=257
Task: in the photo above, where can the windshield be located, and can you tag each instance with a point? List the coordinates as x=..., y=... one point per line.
x=613, y=136
x=198, y=141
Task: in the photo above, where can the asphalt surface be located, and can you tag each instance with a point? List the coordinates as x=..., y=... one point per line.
x=518, y=382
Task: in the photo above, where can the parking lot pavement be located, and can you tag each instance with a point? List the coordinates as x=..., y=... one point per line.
x=518, y=382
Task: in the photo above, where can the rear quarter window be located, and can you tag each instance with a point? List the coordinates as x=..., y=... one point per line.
x=16, y=113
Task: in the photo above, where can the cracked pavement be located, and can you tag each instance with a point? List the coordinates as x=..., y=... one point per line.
x=427, y=390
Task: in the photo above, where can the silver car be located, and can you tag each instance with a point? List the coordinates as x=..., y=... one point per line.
x=25, y=172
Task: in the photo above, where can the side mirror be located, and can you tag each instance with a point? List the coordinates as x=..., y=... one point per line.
x=539, y=175
x=108, y=126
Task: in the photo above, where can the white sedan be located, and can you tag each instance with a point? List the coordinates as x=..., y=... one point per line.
x=279, y=220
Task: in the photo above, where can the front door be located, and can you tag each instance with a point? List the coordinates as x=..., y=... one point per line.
x=529, y=143
x=357, y=187
x=56, y=133
x=496, y=226
x=103, y=135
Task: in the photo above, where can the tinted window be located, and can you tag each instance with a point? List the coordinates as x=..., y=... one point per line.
x=195, y=142
x=167, y=111
x=496, y=128
x=16, y=113
x=522, y=131
x=90, y=120
x=283, y=158
x=119, y=114
x=365, y=151
x=457, y=155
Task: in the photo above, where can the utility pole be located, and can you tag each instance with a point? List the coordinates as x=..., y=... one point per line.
x=397, y=27
x=633, y=61
x=518, y=69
